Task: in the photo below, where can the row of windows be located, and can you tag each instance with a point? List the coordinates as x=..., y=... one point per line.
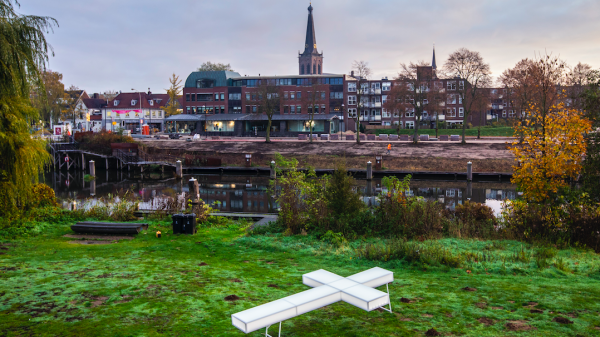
x=204, y=97
x=385, y=86
x=289, y=81
x=201, y=110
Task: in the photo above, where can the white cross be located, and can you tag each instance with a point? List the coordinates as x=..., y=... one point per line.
x=328, y=288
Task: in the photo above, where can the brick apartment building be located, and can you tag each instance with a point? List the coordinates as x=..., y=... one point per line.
x=225, y=103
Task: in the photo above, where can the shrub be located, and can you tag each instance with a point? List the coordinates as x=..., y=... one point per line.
x=42, y=195
x=473, y=220
x=99, y=142
x=426, y=253
x=343, y=202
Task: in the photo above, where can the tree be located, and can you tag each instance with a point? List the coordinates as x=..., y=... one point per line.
x=311, y=99
x=473, y=76
x=591, y=165
x=71, y=103
x=47, y=98
x=519, y=84
x=362, y=72
x=209, y=66
x=550, y=155
x=109, y=95
x=578, y=79
x=174, y=92
x=23, y=56
x=269, y=101
x=415, y=91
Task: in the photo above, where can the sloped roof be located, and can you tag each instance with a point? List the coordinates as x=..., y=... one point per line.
x=94, y=103
x=124, y=100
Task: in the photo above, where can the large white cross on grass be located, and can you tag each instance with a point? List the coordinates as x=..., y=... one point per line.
x=328, y=288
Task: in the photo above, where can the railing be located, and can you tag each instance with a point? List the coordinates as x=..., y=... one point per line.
x=65, y=146
x=127, y=157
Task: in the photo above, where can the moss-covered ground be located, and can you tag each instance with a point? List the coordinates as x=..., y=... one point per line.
x=177, y=285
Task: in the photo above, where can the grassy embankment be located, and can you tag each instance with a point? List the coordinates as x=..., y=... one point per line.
x=177, y=285
x=485, y=132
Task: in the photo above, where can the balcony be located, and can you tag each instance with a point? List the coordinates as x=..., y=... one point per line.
x=370, y=118
x=372, y=105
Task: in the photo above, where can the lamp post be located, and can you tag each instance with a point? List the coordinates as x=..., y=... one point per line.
x=204, y=113
x=343, y=118
x=141, y=111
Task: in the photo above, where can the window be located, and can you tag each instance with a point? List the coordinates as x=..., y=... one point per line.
x=235, y=97
x=247, y=96
x=292, y=95
x=222, y=109
x=187, y=97
x=322, y=94
x=461, y=112
x=299, y=95
x=461, y=85
x=385, y=114
x=504, y=113
x=376, y=86
x=451, y=112
x=216, y=97
x=298, y=109
x=377, y=99
x=322, y=108
x=336, y=95
x=293, y=109
x=364, y=88
x=319, y=69
x=451, y=99
x=116, y=102
x=351, y=113
x=133, y=102
x=384, y=99
x=223, y=96
x=351, y=100
x=352, y=86
x=410, y=112
x=302, y=69
x=459, y=99
x=248, y=109
x=451, y=85
x=386, y=86
x=285, y=95
x=254, y=109
x=410, y=125
x=286, y=109
x=424, y=114
x=151, y=102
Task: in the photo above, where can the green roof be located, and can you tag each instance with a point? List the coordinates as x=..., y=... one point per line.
x=220, y=77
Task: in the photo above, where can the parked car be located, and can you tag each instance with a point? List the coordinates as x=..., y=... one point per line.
x=174, y=136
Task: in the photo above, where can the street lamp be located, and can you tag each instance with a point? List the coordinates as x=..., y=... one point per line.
x=204, y=113
x=141, y=111
x=343, y=118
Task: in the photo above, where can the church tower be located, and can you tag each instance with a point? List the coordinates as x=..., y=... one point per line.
x=310, y=61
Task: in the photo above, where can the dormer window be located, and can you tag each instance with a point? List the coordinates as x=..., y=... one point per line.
x=116, y=102
x=151, y=102
x=133, y=102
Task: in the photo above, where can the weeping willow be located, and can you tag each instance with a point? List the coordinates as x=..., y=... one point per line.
x=23, y=56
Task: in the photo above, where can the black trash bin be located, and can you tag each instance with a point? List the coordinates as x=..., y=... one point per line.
x=189, y=224
x=184, y=223
x=177, y=223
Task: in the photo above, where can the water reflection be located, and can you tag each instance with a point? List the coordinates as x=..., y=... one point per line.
x=249, y=193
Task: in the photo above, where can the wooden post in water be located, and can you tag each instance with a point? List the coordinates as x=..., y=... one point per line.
x=107, y=163
x=83, y=162
x=369, y=170
x=273, y=173
x=469, y=171
x=92, y=168
x=179, y=169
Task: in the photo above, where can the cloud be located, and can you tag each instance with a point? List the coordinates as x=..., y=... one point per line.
x=109, y=44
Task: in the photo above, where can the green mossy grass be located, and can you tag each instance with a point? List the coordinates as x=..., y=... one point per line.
x=150, y=286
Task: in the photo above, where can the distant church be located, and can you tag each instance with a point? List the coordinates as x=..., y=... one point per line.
x=310, y=61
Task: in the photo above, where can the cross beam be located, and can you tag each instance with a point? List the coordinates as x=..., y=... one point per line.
x=328, y=288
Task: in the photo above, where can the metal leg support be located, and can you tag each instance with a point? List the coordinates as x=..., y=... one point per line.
x=388, y=291
x=267, y=331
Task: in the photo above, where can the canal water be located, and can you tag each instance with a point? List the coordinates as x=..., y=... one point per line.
x=231, y=193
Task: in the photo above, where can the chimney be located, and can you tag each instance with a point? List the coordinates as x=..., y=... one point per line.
x=352, y=73
x=149, y=92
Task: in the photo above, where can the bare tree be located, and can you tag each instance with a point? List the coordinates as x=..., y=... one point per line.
x=269, y=101
x=472, y=75
x=362, y=72
x=72, y=107
x=209, y=66
x=577, y=82
x=312, y=99
x=415, y=93
x=109, y=95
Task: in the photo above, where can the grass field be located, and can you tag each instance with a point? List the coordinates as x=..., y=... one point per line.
x=176, y=286
x=485, y=132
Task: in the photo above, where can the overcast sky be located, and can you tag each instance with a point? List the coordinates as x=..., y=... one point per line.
x=124, y=44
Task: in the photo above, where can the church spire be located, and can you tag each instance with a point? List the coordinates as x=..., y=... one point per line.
x=310, y=61
x=433, y=65
x=310, y=46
